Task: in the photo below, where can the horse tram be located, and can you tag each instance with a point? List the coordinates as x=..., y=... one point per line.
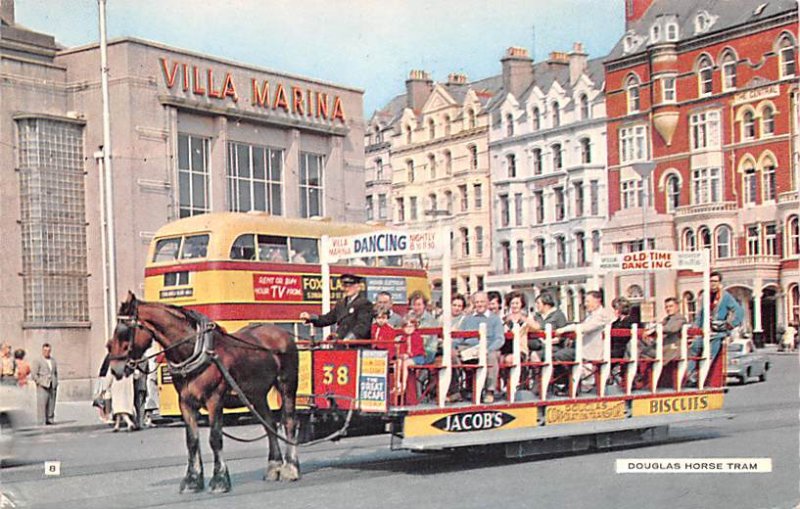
x=347, y=387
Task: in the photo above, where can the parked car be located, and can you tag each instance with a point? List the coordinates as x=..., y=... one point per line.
x=15, y=414
x=745, y=362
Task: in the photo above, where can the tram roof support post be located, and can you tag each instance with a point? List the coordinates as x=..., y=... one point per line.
x=325, y=274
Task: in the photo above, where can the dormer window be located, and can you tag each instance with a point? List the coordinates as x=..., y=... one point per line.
x=655, y=33
x=408, y=134
x=672, y=31
x=509, y=125
x=556, y=114
x=537, y=119
x=431, y=129
x=701, y=23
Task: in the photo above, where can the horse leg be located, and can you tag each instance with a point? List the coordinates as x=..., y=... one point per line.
x=288, y=388
x=193, y=481
x=221, y=481
x=274, y=459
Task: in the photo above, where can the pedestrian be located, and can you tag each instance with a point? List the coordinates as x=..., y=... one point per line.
x=122, y=400
x=8, y=366
x=352, y=314
x=23, y=367
x=44, y=372
x=788, y=340
x=151, y=404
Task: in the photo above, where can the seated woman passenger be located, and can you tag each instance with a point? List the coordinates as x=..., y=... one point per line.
x=516, y=303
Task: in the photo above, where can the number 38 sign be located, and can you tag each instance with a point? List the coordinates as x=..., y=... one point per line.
x=336, y=373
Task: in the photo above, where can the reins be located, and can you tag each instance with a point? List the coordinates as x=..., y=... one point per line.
x=211, y=356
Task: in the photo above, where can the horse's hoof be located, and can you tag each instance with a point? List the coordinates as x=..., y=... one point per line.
x=220, y=483
x=273, y=471
x=192, y=484
x=290, y=472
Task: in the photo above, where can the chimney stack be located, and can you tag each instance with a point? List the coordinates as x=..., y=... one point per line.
x=418, y=87
x=7, y=11
x=456, y=78
x=634, y=10
x=517, y=70
x=577, y=62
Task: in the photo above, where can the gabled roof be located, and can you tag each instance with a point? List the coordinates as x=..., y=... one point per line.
x=725, y=14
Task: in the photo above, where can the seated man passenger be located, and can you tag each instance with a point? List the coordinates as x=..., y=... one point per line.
x=494, y=339
x=593, y=325
x=672, y=324
x=547, y=312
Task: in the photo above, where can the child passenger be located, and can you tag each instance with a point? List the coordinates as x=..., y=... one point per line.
x=383, y=334
x=412, y=348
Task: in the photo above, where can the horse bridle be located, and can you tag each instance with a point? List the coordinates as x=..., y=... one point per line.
x=132, y=322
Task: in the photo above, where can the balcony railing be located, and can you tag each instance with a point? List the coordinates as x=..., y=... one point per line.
x=706, y=208
x=749, y=260
x=541, y=268
x=788, y=196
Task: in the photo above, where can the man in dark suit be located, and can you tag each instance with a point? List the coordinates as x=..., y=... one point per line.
x=352, y=314
x=44, y=373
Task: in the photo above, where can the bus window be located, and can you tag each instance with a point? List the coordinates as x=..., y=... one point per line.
x=167, y=250
x=272, y=248
x=244, y=247
x=304, y=250
x=195, y=246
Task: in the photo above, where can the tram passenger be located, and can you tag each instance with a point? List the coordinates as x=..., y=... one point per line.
x=547, y=312
x=412, y=350
x=495, y=302
x=726, y=315
x=457, y=306
x=516, y=304
x=418, y=305
x=672, y=324
x=383, y=302
x=382, y=332
x=352, y=314
x=494, y=339
x=593, y=325
x=622, y=320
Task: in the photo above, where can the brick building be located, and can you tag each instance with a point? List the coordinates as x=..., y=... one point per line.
x=702, y=103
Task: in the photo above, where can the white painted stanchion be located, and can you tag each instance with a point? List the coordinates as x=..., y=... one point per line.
x=516, y=370
x=577, y=369
x=480, y=373
x=633, y=366
x=658, y=365
x=446, y=373
x=547, y=369
x=605, y=367
x=705, y=362
x=325, y=274
x=683, y=353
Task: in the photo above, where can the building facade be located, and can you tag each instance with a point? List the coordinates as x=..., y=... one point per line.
x=191, y=133
x=548, y=168
x=702, y=104
x=435, y=139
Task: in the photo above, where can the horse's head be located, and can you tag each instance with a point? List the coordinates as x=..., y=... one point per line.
x=130, y=340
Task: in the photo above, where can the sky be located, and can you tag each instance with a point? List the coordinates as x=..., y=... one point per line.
x=365, y=44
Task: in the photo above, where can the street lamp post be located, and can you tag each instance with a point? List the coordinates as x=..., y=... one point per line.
x=644, y=170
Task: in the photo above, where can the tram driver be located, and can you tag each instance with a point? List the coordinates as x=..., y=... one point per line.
x=352, y=314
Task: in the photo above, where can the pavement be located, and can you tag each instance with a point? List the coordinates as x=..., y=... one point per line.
x=76, y=416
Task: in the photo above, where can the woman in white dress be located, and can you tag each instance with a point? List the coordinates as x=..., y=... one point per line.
x=122, y=401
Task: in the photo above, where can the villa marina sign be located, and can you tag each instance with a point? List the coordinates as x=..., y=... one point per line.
x=384, y=243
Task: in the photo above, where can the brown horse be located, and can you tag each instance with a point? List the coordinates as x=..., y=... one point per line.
x=257, y=357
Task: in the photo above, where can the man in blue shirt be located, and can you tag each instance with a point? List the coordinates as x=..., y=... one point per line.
x=726, y=314
x=494, y=339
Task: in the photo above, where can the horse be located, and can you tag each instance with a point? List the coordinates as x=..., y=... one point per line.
x=257, y=357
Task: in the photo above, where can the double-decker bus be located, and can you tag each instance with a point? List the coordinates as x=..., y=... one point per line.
x=243, y=268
